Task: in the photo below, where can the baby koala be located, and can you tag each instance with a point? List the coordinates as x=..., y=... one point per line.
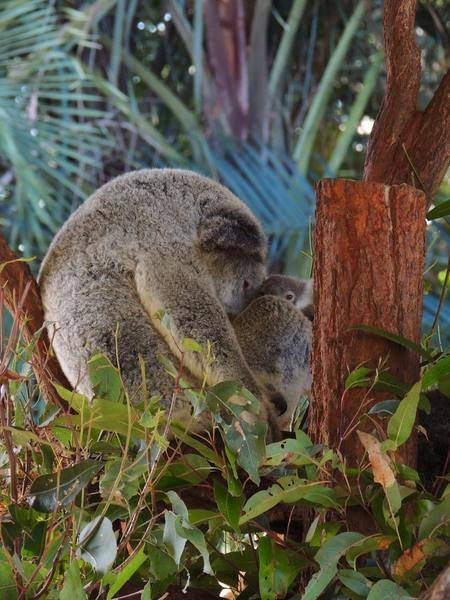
x=297, y=291
x=276, y=338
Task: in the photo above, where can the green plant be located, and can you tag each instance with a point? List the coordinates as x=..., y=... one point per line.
x=99, y=502
x=51, y=137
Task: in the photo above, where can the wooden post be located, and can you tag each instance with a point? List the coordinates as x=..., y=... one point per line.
x=368, y=268
x=369, y=240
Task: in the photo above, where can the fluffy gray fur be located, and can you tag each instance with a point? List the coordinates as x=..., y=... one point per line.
x=297, y=291
x=149, y=241
x=276, y=339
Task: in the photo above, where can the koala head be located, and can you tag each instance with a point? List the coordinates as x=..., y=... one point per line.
x=297, y=291
x=233, y=248
x=235, y=277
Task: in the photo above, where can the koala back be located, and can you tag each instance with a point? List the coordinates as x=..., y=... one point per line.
x=159, y=239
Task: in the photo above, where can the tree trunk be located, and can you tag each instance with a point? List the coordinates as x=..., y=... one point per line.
x=368, y=269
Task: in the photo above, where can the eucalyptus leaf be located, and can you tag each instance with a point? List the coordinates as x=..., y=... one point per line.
x=398, y=339
x=401, y=423
x=385, y=589
x=173, y=541
x=436, y=520
x=50, y=492
x=73, y=586
x=116, y=581
x=230, y=506
x=105, y=379
x=287, y=489
x=358, y=378
x=328, y=557
x=237, y=409
x=355, y=581
x=385, y=408
x=439, y=211
x=437, y=371
x=97, y=544
x=367, y=545
x=277, y=569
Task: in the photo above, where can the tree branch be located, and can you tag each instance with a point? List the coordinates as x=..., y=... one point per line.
x=440, y=588
x=402, y=58
x=16, y=279
x=407, y=145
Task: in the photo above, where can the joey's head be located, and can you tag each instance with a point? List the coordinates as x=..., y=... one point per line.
x=297, y=291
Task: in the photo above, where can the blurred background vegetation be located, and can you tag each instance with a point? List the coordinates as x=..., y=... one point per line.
x=266, y=96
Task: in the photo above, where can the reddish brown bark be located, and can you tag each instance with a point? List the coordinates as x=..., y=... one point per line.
x=408, y=145
x=15, y=278
x=440, y=590
x=368, y=268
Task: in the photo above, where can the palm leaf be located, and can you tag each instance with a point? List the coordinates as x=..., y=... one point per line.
x=50, y=139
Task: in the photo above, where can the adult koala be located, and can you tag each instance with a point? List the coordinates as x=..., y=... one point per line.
x=148, y=241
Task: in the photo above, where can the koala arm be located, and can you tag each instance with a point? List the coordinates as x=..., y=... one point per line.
x=194, y=312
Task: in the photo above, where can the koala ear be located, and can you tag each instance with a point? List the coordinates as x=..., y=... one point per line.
x=227, y=230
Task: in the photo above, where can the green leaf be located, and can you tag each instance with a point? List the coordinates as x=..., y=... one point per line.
x=237, y=410
x=444, y=385
x=173, y=541
x=184, y=529
x=328, y=557
x=147, y=592
x=97, y=544
x=21, y=437
x=101, y=414
x=197, y=539
x=292, y=451
x=367, y=545
x=385, y=408
x=436, y=519
x=323, y=533
x=117, y=580
x=151, y=419
x=230, y=506
x=355, y=581
x=105, y=379
x=398, y=339
x=439, y=211
x=162, y=565
x=436, y=372
x=49, y=492
x=277, y=569
x=358, y=378
x=193, y=442
x=385, y=589
x=289, y=490
x=401, y=423
x=122, y=476
x=73, y=586
x=8, y=588
x=190, y=345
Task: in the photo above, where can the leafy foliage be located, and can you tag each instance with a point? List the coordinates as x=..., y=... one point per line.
x=108, y=505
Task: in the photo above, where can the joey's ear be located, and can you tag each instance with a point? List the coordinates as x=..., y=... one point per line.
x=231, y=229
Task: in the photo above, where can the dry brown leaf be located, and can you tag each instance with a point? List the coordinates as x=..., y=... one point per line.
x=409, y=559
x=382, y=472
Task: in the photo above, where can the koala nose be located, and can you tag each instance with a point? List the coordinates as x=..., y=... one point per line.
x=279, y=403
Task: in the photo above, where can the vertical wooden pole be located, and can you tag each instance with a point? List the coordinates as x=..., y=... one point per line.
x=368, y=268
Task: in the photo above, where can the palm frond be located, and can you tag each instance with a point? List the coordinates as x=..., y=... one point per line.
x=50, y=139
